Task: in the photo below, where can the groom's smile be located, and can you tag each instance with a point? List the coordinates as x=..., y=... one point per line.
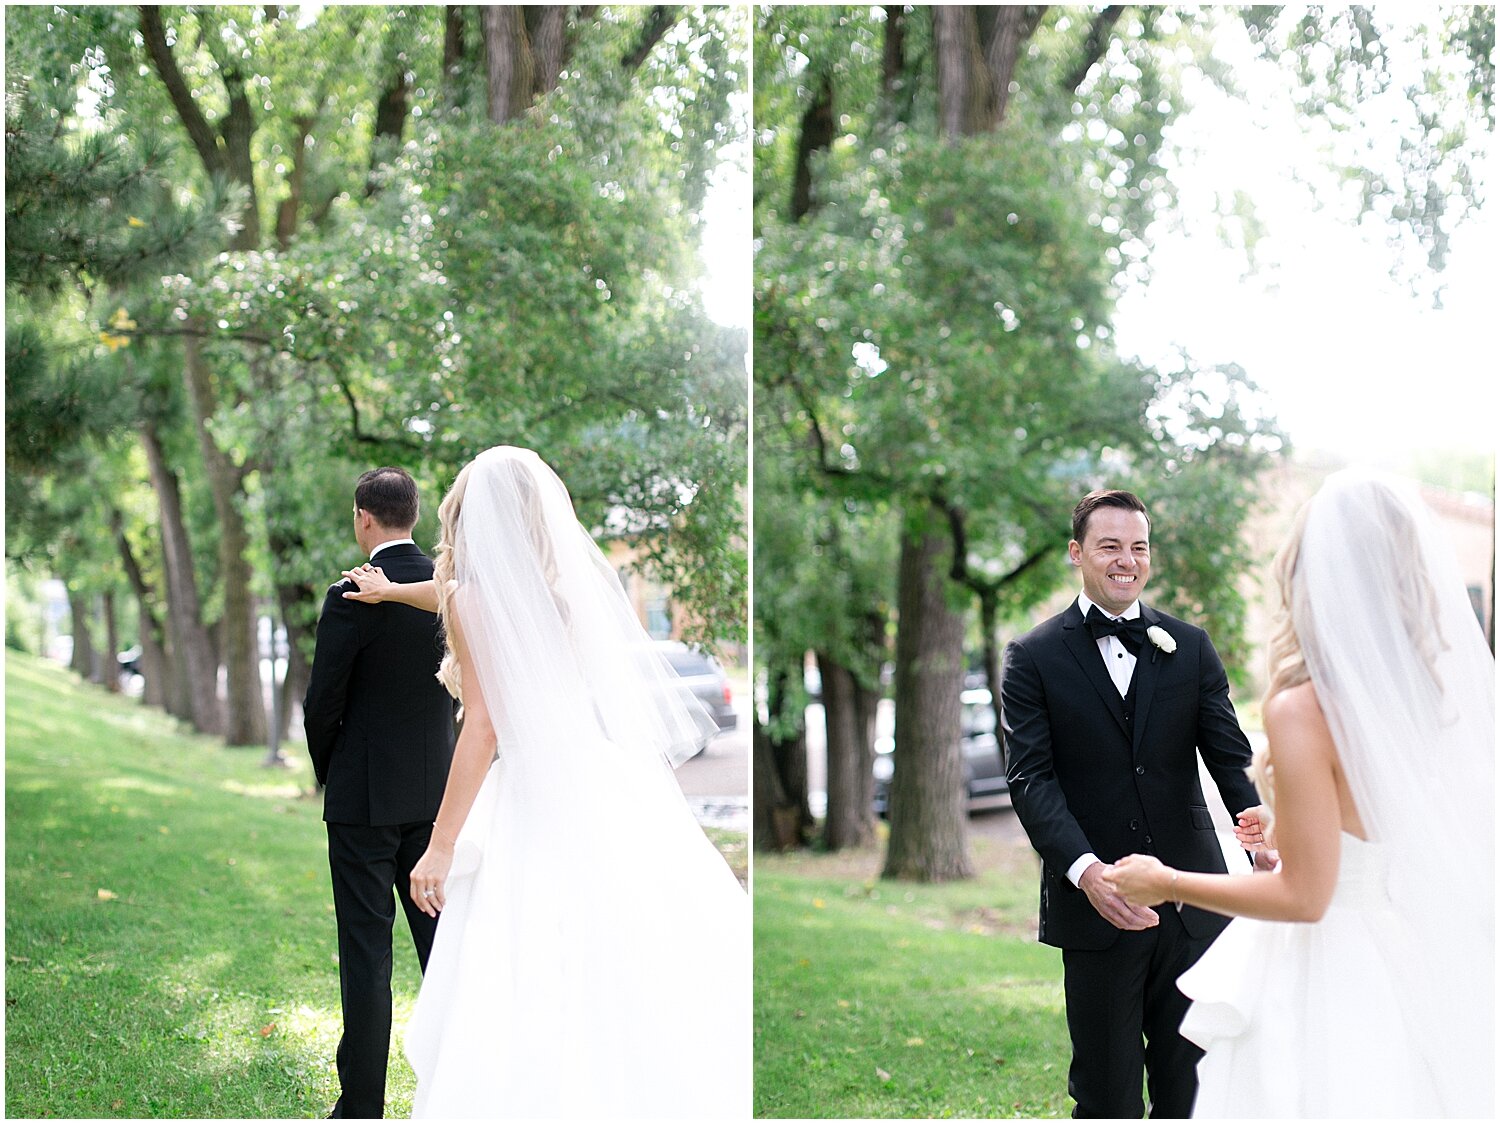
x=1114, y=558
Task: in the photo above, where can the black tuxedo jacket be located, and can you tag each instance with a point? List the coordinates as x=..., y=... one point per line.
x=379, y=725
x=1085, y=778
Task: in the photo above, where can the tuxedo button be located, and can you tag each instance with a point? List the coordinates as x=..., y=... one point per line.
x=1140, y=770
x=1135, y=825
x=1148, y=839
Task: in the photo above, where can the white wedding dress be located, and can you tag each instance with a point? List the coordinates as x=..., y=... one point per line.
x=1302, y=1020
x=592, y=959
x=585, y=963
x=1385, y=1006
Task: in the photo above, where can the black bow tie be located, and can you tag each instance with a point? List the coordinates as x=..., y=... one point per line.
x=1132, y=633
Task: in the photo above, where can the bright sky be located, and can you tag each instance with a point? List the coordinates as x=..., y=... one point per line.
x=725, y=243
x=1353, y=362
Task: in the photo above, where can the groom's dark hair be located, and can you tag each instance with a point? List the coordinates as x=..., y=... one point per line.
x=390, y=495
x=1095, y=500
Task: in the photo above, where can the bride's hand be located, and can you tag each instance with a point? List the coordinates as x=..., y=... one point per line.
x=1252, y=828
x=429, y=877
x=1141, y=880
x=372, y=582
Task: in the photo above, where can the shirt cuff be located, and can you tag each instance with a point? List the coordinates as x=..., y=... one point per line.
x=1082, y=863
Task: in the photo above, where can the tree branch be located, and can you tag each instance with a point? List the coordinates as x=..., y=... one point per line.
x=658, y=23
x=199, y=131
x=1094, y=45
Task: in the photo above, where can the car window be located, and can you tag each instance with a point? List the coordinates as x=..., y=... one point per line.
x=687, y=662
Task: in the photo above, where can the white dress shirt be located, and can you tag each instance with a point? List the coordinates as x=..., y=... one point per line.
x=390, y=542
x=1121, y=666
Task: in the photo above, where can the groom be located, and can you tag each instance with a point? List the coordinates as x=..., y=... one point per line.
x=1103, y=707
x=380, y=731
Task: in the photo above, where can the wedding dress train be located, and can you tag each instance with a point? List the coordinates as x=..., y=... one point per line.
x=592, y=959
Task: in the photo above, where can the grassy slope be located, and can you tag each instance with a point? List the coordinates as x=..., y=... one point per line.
x=170, y=938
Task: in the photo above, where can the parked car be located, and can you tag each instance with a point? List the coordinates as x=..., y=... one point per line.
x=984, y=771
x=701, y=675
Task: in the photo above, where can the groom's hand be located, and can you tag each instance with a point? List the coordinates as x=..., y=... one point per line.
x=1110, y=905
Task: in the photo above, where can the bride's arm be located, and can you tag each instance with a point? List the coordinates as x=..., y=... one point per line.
x=375, y=587
x=1307, y=830
x=471, y=760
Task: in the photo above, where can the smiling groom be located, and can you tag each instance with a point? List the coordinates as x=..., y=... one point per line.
x=1105, y=708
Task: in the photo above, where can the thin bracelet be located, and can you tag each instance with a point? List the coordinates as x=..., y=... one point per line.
x=452, y=842
x=1171, y=888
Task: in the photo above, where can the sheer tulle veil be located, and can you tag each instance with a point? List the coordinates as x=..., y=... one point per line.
x=556, y=644
x=592, y=961
x=1407, y=683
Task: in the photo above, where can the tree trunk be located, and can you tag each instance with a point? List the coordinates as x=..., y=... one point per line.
x=850, y=727
x=987, y=614
x=193, y=692
x=291, y=206
x=775, y=820
x=783, y=817
x=291, y=599
x=967, y=103
x=929, y=829
x=509, y=64
x=246, y=716
x=547, y=29
x=895, y=92
x=815, y=133
x=83, y=641
x=453, y=55
x=109, y=663
x=154, y=666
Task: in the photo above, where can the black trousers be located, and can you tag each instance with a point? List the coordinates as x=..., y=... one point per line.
x=1124, y=1011
x=369, y=864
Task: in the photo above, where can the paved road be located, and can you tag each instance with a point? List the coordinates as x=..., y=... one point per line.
x=717, y=781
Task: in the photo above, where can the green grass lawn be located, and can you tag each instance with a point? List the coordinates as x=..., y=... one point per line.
x=887, y=999
x=169, y=930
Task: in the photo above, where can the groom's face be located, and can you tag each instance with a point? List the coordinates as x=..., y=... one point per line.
x=1114, y=557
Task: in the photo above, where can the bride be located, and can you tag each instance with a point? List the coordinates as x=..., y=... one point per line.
x=593, y=953
x=1358, y=980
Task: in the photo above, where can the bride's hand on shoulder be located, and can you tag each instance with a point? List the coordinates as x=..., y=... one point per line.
x=1142, y=880
x=372, y=584
x=429, y=878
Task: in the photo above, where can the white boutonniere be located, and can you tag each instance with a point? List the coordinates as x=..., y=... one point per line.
x=1161, y=638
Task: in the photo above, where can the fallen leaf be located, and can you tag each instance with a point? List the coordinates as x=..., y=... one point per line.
x=107, y=895
x=818, y=903
x=115, y=1106
x=914, y=1042
x=843, y=1002
x=882, y=1074
x=265, y=1031
x=165, y=830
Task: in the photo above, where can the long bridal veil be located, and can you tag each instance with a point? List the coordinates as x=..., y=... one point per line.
x=592, y=960
x=549, y=627
x=1406, y=680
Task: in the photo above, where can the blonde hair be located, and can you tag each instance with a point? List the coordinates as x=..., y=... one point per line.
x=1414, y=602
x=443, y=570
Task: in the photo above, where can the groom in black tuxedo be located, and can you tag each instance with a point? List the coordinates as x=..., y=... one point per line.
x=380, y=732
x=1103, y=707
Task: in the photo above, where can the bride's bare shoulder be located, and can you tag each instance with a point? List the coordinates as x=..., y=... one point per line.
x=1294, y=718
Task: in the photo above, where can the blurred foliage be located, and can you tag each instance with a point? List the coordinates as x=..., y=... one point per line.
x=938, y=328
x=463, y=286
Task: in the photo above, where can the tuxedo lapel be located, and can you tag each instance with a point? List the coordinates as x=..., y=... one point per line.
x=1085, y=650
x=1145, y=680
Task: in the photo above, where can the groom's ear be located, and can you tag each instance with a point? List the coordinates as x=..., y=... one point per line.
x=1075, y=553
